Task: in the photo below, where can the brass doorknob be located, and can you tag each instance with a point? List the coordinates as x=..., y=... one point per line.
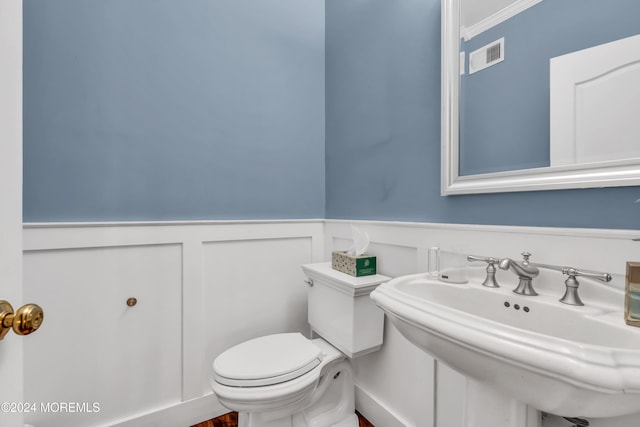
x=26, y=320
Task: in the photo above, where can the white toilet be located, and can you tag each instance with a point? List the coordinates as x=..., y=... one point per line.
x=287, y=380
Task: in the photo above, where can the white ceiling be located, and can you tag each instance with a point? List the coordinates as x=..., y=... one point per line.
x=474, y=11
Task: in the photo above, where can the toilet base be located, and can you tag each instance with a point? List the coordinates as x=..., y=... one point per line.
x=295, y=421
x=349, y=422
x=332, y=404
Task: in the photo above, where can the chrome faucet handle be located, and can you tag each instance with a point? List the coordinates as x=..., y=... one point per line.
x=490, y=279
x=571, y=296
x=570, y=271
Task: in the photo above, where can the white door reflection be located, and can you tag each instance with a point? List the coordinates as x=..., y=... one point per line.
x=595, y=100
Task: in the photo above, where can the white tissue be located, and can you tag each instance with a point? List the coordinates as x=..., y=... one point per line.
x=360, y=242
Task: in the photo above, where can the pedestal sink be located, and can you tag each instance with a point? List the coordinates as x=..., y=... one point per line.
x=565, y=360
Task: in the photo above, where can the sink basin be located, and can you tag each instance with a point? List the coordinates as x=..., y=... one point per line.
x=565, y=360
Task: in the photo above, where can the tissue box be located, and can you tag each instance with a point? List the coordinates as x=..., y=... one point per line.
x=361, y=265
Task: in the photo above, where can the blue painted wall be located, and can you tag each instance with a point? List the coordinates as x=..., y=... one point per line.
x=383, y=130
x=505, y=107
x=137, y=109
x=166, y=109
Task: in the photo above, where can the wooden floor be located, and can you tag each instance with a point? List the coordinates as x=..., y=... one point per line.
x=231, y=420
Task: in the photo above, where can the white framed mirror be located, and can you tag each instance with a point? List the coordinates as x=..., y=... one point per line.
x=550, y=172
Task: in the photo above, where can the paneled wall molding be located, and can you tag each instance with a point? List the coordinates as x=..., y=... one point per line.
x=602, y=233
x=596, y=249
x=90, y=224
x=402, y=248
x=217, y=283
x=43, y=236
x=199, y=286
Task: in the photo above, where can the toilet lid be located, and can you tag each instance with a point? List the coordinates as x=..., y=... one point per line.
x=267, y=360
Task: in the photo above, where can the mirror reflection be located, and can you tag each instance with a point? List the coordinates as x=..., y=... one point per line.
x=522, y=103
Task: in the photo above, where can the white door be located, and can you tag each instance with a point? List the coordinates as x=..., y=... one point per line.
x=595, y=97
x=11, y=367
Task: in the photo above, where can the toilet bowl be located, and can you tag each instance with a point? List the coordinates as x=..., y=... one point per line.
x=275, y=393
x=288, y=380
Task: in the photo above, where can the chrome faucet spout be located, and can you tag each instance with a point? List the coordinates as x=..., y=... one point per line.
x=505, y=263
x=525, y=272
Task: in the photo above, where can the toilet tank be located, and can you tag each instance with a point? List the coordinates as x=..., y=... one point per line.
x=340, y=310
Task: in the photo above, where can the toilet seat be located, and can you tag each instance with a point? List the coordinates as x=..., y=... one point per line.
x=284, y=396
x=268, y=360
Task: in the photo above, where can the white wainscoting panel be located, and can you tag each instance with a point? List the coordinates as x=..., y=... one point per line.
x=400, y=377
x=205, y=286
x=94, y=348
x=424, y=392
x=252, y=288
x=201, y=288
x=451, y=402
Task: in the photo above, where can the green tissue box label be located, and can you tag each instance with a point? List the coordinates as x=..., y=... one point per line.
x=365, y=266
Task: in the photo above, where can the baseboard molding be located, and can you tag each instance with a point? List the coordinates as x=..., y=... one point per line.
x=195, y=411
x=376, y=411
x=184, y=414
